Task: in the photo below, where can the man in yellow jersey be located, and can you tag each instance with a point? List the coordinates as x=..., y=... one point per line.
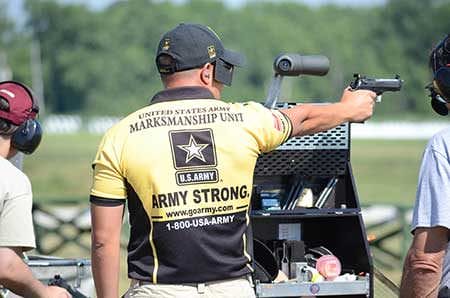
x=184, y=164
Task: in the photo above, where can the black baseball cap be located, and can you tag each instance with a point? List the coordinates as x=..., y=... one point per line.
x=191, y=46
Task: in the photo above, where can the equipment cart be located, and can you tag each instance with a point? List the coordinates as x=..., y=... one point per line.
x=305, y=205
x=317, y=166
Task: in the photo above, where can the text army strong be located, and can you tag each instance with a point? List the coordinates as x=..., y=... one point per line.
x=195, y=161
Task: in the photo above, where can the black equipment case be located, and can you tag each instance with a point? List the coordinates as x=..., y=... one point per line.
x=305, y=197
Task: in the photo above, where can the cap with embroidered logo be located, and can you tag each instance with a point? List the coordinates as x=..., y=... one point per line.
x=191, y=46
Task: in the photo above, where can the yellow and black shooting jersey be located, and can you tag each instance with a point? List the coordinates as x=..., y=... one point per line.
x=185, y=166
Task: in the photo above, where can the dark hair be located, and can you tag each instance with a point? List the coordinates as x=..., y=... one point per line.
x=6, y=127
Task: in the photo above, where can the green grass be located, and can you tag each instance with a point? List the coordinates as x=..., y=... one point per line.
x=385, y=171
x=61, y=167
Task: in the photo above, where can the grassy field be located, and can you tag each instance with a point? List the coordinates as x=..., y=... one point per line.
x=61, y=167
x=385, y=173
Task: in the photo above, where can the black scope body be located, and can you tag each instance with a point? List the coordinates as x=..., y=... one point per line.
x=291, y=64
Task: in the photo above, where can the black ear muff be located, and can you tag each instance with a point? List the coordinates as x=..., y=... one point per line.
x=442, y=82
x=223, y=72
x=27, y=137
x=439, y=107
x=440, y=91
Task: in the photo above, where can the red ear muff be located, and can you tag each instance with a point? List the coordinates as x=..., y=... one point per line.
x=27, y=137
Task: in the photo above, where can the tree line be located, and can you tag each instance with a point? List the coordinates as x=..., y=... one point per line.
x=102, y=62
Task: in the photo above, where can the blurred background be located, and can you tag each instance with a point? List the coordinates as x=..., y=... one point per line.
x=92, y=62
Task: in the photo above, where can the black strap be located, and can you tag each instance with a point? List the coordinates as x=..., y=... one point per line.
x=106, y=202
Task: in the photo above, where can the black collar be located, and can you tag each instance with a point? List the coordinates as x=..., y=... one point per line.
x=171, y=94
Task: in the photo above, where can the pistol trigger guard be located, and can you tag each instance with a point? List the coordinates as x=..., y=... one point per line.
x=378, y=99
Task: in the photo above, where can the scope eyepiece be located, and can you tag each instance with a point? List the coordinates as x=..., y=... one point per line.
x=284, y=65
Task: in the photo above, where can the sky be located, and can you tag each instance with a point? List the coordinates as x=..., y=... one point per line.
x=15, y=6
x=98, y=4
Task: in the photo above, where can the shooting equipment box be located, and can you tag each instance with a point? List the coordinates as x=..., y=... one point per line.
x=313, y=171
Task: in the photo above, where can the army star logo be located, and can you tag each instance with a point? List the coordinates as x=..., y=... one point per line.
x=193, y=150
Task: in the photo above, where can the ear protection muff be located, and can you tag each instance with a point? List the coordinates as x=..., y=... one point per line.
x=438, y=103
x=27, y=137
x=440, y=87
x=29, y=134
x=439, y=107
x=223, y=72
x=442, y=82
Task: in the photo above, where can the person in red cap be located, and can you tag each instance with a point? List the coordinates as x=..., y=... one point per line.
x=19, y=131
x=184, y=165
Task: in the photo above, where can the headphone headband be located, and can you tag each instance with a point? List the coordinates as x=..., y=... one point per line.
x=440, y=55
x=440, y=86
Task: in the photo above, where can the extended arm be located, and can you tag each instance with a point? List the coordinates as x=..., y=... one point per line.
x=106, y=227
x=355, y=106
x=422, y=270
x=17, y=277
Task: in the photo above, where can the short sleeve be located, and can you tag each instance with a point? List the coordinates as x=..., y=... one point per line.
x=108, y=179
x=16, y=221
x=270, y=128
x=432, y=207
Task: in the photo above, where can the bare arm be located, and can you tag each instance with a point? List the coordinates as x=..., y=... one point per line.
x=17, y=277
x=105, y=249
x=423, y=264
x=355, y=106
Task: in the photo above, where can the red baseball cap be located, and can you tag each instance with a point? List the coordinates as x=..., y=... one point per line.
x=21, y=103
